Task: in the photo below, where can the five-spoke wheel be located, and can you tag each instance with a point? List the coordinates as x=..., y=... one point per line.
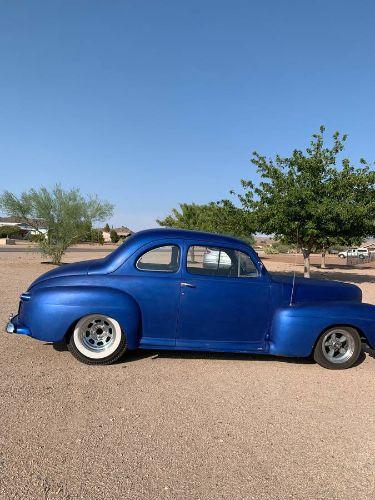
x=338, y=348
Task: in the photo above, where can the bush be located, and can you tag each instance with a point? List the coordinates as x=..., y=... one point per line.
x=96, y=236
x=270, y=250
x=10, y=232
x=114, y=236
x=278, y=248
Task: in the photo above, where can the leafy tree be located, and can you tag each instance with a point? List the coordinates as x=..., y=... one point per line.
x=114, y=236
x=66, y=214
x=222, y=217
x=106, y=228
x=306, y=199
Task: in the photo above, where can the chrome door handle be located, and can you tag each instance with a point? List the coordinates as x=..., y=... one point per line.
x=190, y=285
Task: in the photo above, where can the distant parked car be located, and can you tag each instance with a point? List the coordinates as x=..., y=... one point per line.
x=361, y=253
x=216, y=259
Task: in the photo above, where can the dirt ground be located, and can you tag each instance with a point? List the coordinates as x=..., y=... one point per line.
x=181, y=425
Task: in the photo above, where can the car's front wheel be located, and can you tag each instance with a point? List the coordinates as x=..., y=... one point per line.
x=97, y=340
x=338, y=348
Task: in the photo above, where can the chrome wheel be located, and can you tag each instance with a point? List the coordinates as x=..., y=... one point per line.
x=97, y=336
x=338, y=345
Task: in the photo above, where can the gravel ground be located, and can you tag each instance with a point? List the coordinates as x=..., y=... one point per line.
x=180, y=425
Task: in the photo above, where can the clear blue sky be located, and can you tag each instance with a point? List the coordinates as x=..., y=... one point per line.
x=151, y=103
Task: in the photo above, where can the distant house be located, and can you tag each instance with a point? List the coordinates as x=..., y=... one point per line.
x=123, y=233
x=36, y=226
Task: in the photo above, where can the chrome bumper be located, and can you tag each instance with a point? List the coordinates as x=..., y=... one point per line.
x=13, y=326
x=10, y=328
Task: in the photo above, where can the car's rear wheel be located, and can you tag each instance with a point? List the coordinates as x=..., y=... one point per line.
x=338, y=348
x=97, y=340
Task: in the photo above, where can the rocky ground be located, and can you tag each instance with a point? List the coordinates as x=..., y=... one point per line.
x=181, y=425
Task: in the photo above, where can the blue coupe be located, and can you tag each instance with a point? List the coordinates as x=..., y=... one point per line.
x=176, y=289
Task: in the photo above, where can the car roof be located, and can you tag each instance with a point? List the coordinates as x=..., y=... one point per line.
x=185, y=234
x=116, y=258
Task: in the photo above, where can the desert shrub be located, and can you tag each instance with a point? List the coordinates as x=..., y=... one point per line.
x=67, y=215
x=278, y=248
x=270, y=250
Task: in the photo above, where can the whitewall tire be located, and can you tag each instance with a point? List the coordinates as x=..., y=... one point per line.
x=97, y=339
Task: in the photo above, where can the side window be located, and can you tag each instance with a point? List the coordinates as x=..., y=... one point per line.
x=215, y=261
x=246, y=267
x=165, y=258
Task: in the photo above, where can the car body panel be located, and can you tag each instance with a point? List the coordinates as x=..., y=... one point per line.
x=179, y=310
x=295, y=329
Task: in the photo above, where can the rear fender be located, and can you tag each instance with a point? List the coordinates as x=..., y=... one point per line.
x=295, y=329
x=52, y=311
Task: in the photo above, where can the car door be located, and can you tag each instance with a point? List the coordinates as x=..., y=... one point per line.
x=225, y=300
x=152, y=276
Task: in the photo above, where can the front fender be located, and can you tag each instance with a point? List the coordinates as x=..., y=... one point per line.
x=295, y=329
x=51, y=311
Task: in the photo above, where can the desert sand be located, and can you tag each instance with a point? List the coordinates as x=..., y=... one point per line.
x=181, y=425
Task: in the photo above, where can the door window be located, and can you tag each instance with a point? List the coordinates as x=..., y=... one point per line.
x=216, y=261
x=165, y=258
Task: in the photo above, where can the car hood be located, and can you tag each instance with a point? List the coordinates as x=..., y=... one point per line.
x=75, y=269
x=313, y=290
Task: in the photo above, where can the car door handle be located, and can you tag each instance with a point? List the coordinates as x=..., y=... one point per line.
x=190, y=285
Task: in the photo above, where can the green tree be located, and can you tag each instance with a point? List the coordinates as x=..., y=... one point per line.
x=221, y=217
x=66, y=214
x=97, y=236
x=100, y=237
x=106, y=228
x=114, y=236
x=306, y=199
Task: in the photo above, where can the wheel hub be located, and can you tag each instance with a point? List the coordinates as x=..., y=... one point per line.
x=338, y=346
x=98, y=334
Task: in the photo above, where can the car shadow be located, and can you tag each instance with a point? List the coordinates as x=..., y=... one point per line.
x=140, y=354
x=230, y=356
x=369, y=351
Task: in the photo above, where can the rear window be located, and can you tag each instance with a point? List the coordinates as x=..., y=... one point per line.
x=216, y=261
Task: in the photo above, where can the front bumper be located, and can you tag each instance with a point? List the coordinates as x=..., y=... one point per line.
x=14, y=326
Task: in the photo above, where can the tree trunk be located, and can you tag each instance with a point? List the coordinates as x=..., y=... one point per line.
x=323, y=264
x=306, y=262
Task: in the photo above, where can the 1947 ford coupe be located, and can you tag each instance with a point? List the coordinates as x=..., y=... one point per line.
x=175, y=289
